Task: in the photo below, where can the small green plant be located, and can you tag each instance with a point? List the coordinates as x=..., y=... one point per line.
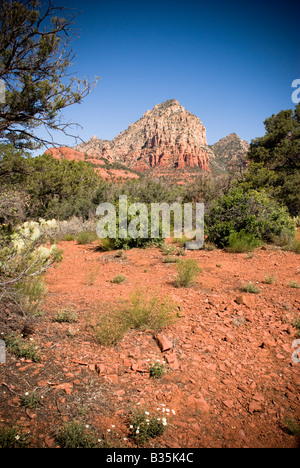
x=170, y=259
x=169, y=249
x=12, y=438
x=118, y=279
x=219, y=265
x=141, y=310
x=296, y=220
x=250, y=288
x=294, y=284
x=68, y=237
x=86, y=237
x=296, y=324
x=239, y=242
x=75, y=435
x=187, y=271
x=292, y=245
x=109, y=330
x=295, y=246
x=21, y=348
x=65, y=316
x=91, y=276
x=157, y=369
x=209, y=246
x=269, y=279
x=31, y=400
x=144, y=426
x=291, y=426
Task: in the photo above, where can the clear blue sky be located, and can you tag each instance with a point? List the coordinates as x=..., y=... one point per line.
x=229, y=63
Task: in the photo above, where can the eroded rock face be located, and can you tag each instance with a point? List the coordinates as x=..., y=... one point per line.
x=168, y=140
x=167, y=136
x=64, y=152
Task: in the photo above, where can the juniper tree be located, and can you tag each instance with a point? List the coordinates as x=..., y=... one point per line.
x=35, y=60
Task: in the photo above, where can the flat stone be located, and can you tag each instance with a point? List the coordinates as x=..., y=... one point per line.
x=163, y=342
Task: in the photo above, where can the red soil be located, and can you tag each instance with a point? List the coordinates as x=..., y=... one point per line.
x=230, y=378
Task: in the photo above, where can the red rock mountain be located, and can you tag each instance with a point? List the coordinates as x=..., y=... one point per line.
x=167, y=136
x=167, y=141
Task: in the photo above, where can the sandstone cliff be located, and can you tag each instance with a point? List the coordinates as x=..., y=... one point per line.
x=168, y=141
x=167, y=136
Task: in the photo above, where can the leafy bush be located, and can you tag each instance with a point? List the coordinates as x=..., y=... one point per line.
x=24, y=258
x=239, y=242
x=187, y=271
x=251, y=212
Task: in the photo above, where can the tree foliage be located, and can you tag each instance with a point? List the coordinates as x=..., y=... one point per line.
x=252, y=212
x=275, y=159
x=35, y=57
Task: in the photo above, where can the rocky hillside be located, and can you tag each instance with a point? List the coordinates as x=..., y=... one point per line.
x=167, y=136
x=168, y=141
x=230, y=154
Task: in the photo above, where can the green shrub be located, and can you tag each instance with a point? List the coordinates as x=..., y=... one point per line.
x=21, y=348
x=294, y=284
x=118, y=279
x=74, y=435
x=31, y=400
x=293, y=245
x=170, y=259
x=109, y=330
x=240, y=242
x=144, y=426
x=141, y=310
x=86, y=237
x=157, y=369
x=12, y=438
x=65, y=316
x=187, y=272
x=250, y=288
x=24, y=258
x=169, y=249
x=269, y=279
x=252, y=212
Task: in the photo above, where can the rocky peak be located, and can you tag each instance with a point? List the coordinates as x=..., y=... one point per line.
x=167, y=136
x=230, y=153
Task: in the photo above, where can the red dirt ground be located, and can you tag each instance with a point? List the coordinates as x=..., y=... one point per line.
x=230, y=375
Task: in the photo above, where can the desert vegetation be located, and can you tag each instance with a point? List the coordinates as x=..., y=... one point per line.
x=107, y=328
